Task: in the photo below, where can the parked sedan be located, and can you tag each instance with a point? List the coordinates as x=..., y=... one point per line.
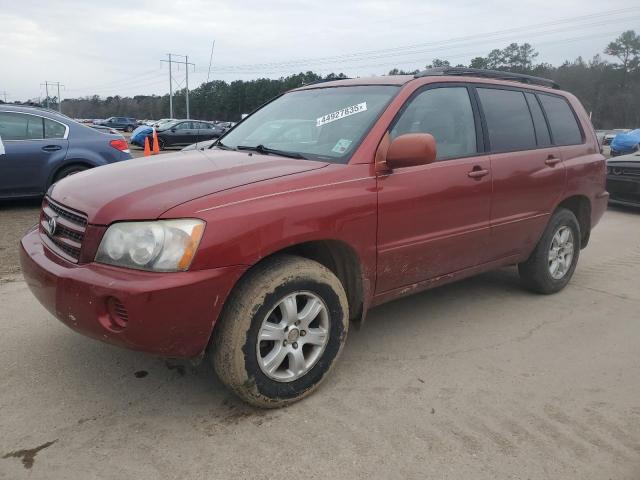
x=41, y=147
x=185, y=132
x=623, y=179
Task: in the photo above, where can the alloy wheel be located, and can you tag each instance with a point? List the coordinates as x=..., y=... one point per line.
x=293, y=336
x=561, y=253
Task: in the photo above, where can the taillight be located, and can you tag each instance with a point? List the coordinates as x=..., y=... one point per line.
x=120, y=144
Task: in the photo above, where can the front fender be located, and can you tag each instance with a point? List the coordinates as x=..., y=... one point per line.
x=249, y=223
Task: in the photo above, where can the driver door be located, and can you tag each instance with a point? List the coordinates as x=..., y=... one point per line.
x=434, y=219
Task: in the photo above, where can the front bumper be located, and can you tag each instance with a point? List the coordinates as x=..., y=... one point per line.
x=168, y=314
x=623, y=190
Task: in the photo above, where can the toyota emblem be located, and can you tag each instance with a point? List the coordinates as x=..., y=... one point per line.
x=52, y=225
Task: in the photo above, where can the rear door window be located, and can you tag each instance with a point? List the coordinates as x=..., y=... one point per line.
x=508, y=120
x=19, y=126
x=563, y=123
x=540, y=124
x=53, y=129
x=445, y=113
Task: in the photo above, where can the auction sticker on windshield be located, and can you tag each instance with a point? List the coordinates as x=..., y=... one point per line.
x=345, y=112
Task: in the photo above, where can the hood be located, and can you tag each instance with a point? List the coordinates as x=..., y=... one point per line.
x=633, y=158
x=145, y=188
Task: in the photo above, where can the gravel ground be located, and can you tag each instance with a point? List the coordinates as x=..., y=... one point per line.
x=477, y=380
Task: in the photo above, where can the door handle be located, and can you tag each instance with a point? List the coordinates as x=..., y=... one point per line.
x=477, y=172
x=51, y=148
x=552, y=161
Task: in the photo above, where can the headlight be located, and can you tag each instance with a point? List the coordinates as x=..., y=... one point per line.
x=162, y=246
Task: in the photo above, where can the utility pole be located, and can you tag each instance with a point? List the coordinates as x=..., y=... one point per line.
x=186, y=64
x=4, y=94
x=170, y=85
x=57, y=84
x=59, y=99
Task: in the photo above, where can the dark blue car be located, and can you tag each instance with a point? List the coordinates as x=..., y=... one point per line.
x=127, y=124
x=42, y=146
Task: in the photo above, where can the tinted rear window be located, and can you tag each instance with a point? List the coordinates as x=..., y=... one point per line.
x=564, y=127
x=508, y=120
x=53, y=129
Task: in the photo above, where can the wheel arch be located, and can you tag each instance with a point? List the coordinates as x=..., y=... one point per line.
x=343, y=261
x=66, y=164
x=336, y=255
x=580, y=206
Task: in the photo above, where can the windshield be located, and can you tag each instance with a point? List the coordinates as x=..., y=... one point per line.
x=167, y=124
x=321, y=123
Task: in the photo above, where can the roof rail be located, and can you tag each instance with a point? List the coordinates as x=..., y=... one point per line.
x=479, y=72
x=325, y=80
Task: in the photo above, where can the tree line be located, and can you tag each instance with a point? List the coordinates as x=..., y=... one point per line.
x=609, y=90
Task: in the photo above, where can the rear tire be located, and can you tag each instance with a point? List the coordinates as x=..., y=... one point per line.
x=260, y=352
x=70, y=170
x=551, y=265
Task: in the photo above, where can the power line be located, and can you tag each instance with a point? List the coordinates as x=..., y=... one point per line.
x=118, y=83
x=439, y=51
x=604, y=17
x=469, y=54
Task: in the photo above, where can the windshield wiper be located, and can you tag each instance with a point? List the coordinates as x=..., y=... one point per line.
x=221, y=146
x=267, y=151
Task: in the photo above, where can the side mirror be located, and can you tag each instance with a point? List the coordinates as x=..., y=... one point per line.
x=410, y=150
x=173, y=130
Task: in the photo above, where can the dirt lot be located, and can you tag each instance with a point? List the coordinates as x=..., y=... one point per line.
x=477, y=380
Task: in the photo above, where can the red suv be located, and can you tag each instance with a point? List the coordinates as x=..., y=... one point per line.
x=329, y=200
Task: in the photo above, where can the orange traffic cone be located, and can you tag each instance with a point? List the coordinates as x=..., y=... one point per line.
x=156, y=145
x=147, y=150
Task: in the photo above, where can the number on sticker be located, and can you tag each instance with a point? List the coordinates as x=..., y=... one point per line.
x=337, y=115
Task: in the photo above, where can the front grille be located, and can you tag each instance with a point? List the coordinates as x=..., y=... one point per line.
x=621, y=171
x=68, y=229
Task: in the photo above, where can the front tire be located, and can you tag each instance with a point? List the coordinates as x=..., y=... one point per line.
x=551, y=265
x=281, y=331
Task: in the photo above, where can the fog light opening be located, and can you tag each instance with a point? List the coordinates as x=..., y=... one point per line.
x=118, y=318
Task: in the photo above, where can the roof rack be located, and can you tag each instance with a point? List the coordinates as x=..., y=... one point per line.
x=325, y=80
x=479, y=72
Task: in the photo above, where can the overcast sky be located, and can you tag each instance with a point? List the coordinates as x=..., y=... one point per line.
x=114, y=47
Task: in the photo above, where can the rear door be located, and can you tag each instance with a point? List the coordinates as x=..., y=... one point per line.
x=528, y=173
x=205, y=131
x=183, y=134
x=33, y=144
x=434, y=219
